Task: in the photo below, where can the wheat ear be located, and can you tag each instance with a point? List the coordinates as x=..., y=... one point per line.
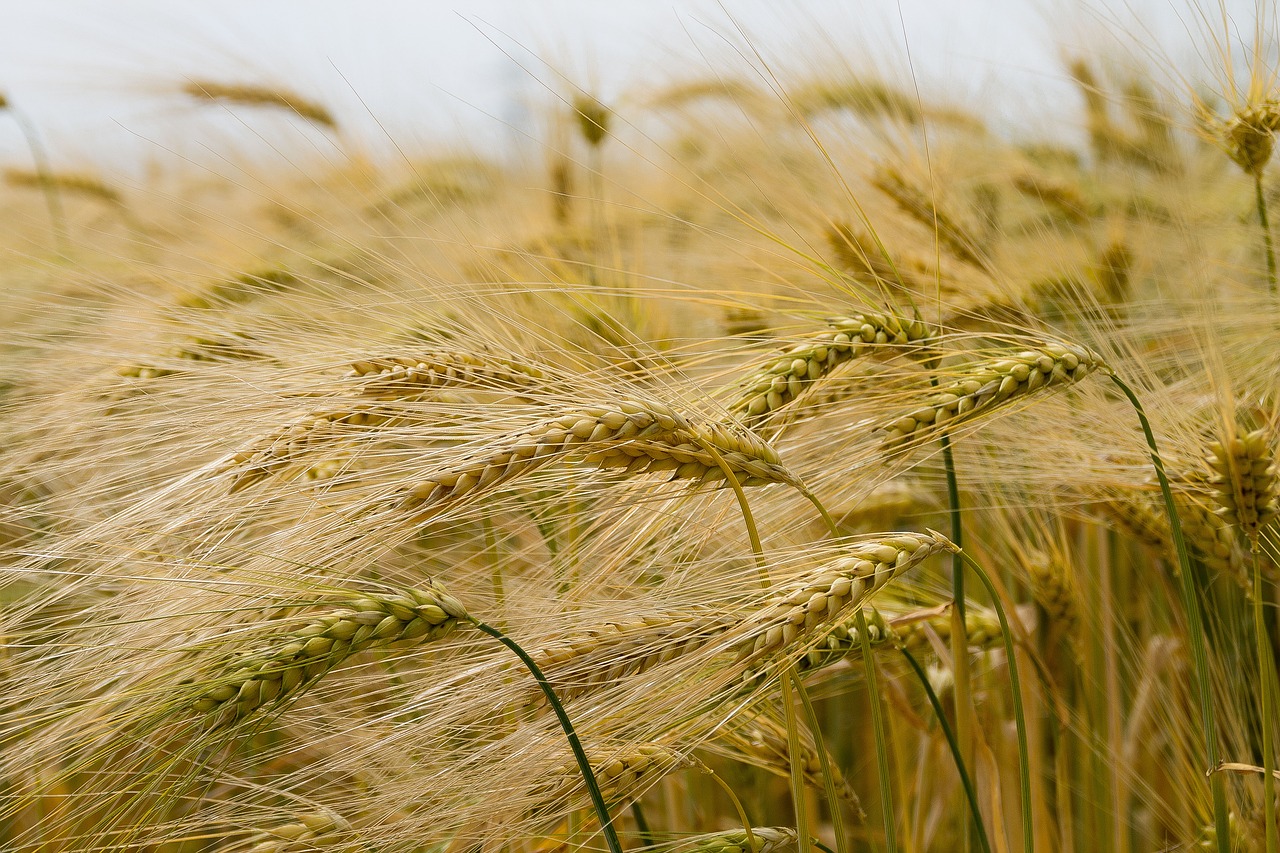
x=588, y=661
x=261, y=96
x=1244, y=482
x=621, y=776
x=763, y=839
x=635, y=437
x=288, y=663
x=984, y=386
x=316, y=831
x=778, y=383
x=823, y=598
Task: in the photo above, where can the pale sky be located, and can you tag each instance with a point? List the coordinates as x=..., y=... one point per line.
x=99, y=78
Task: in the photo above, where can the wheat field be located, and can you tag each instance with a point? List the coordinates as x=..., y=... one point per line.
x=768, y=464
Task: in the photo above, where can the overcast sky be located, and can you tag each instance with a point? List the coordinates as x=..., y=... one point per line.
x=100, y=79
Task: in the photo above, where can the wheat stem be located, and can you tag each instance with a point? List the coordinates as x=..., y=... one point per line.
x=1195, y=627
x=877, y=725
x=1266, y=671
x=824, y=758
x=580, y=755
x=965, y=781
x=799, y=795
x=1019, y=716
x=1266, y=242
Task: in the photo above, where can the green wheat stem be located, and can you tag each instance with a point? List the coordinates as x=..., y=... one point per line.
x=873, y=696
x=748, y=519
x=878, y=725
x=824, y=758
x=1266, y=242
x=588, y=776
x=1195, y=628
x=1019, y=715
x=798, y=795
x=1266, y=668
x=970, y=795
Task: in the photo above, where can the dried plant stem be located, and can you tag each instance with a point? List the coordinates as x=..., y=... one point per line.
x=580, y=755
x=970, y=796
x=1271, y=266
x=1019, y=716
x=1195, y=628
x=1266, y=671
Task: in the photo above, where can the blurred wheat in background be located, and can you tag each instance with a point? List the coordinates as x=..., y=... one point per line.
x=783, y=457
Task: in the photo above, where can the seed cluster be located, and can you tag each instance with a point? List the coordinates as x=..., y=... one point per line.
x=635, y=437
x=600, y=656
x=290, y=662
x=849, y=581
x=1244, y=482
x=392, y=377
x=988, y=384
x=315, y=831
x=619, y=776
x=767, y=839
x=786, y=376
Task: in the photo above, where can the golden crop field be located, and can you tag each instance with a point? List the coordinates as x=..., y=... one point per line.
x=769, y=463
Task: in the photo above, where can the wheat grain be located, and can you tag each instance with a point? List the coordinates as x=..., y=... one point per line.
x=596, y=658
x=401, y=377
x=316, y=831
x=288, y=663
x=1244, y=482
x=621, y=776
x=260, y=96
x=986, y=385
x=775, y=385
x=821, y=599
x=634, y=437
x=763, y=839
x=917, y=204
x=761, y=741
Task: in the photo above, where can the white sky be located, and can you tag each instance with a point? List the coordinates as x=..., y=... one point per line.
x=98, y=77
